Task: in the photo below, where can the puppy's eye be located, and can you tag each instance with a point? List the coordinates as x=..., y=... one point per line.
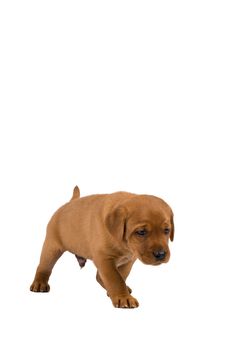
x=167, y=231
x=141, y=232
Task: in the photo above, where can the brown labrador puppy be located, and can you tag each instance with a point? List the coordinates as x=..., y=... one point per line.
x=113, y=230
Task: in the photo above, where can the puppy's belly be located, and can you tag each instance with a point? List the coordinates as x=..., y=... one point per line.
x=73, y=234
x=75, y=241
x=78, y=247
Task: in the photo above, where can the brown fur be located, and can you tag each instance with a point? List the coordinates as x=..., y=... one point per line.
x=107, y=229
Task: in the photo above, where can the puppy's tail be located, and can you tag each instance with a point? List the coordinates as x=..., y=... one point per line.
x=76, y=193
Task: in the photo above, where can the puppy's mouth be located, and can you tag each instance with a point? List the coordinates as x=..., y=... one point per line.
x=151, y=260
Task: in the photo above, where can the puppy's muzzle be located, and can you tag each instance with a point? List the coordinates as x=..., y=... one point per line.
x=159, y=255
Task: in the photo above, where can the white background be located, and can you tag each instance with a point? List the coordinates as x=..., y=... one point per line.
x=117, y=95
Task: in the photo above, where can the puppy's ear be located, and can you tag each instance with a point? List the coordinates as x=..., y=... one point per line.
x=116, y=222
x=172, y=228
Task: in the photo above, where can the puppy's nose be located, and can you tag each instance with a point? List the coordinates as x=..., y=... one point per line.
x=159, y=254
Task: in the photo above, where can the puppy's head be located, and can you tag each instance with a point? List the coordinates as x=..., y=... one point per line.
x=145, y=224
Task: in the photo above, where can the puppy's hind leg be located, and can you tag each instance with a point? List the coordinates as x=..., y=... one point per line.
x=49, y=256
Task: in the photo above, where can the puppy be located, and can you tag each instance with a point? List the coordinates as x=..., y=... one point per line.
x=112, y=230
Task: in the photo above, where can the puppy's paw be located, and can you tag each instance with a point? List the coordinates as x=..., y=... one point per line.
x=125, y=302
x=40, y=287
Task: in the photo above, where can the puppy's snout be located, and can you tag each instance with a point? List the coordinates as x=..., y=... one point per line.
x=159, y=254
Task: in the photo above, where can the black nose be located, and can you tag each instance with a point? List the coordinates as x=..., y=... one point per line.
x=159, y=254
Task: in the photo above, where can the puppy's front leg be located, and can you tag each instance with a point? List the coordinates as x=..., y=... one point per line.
x=115, y=284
